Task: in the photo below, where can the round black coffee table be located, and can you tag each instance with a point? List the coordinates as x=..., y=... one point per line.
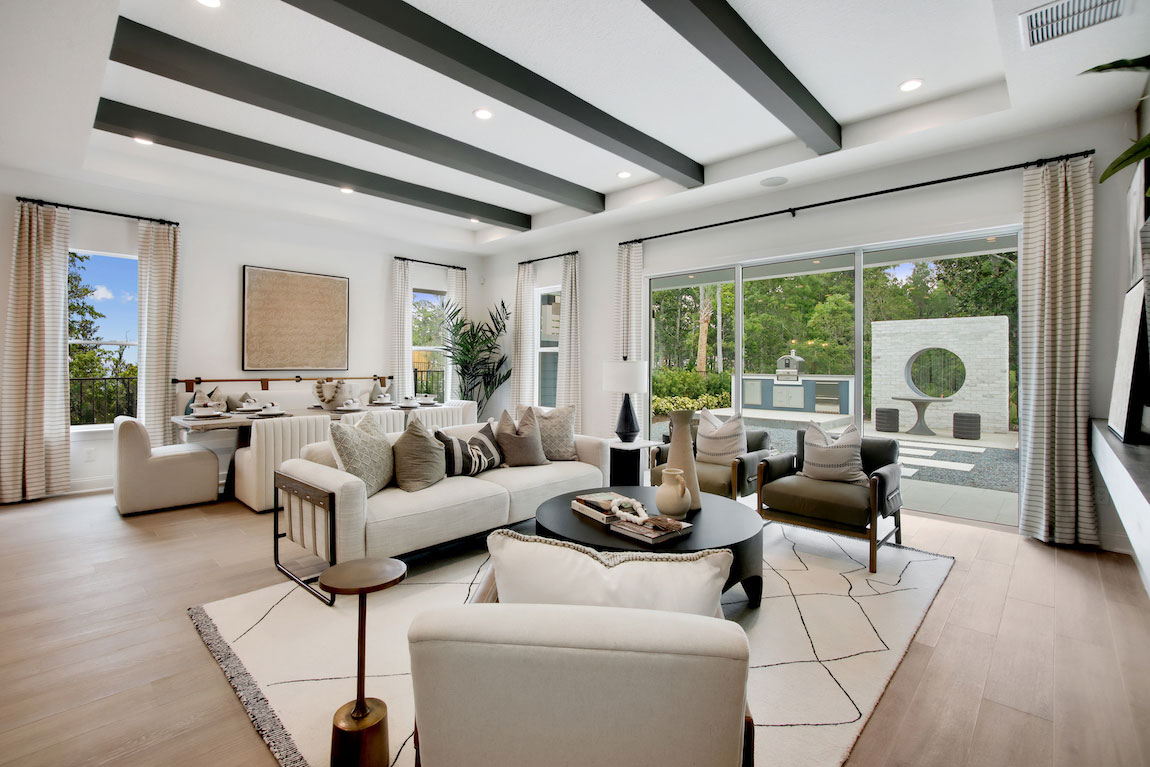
x=720, y=524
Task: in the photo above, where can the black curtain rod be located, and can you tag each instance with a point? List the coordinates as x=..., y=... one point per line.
x=429, y=263
x=892, y=190
x=96, y=210
x=548, y=258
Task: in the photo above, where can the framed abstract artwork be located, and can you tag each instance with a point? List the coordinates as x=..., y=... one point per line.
x=294, y=320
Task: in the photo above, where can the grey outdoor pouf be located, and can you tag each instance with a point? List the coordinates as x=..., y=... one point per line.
x=967, y=425
x=886, y=419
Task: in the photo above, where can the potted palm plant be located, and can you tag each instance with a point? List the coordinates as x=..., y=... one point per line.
x=475, y=351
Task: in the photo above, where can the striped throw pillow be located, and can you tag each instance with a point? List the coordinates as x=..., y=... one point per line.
x=718, y=442
x=470, y=457
x=836, y=460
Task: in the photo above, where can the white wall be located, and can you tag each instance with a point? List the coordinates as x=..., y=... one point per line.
x=216, y=243
x=990, y=201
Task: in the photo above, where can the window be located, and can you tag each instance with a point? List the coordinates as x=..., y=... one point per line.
x=103, y=332
x=549, y=302
x=427, y=359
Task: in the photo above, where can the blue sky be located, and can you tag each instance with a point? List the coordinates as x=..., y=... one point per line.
x=115, y=281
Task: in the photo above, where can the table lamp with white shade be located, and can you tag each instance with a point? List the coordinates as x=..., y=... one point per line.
x=626, y=378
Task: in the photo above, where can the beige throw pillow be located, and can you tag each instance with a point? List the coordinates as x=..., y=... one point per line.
x=557, y=432
x=837, y=460
x=522, y=445
x=535, y=570
x=719, y=442
x=362, y=449
x=419, y=459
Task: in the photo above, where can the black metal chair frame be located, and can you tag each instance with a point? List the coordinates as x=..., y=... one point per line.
x=325, y=501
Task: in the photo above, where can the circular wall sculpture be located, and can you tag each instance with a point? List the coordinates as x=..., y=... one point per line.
x=935, y=372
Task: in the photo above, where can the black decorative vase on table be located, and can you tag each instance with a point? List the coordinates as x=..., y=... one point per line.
x=627, y=425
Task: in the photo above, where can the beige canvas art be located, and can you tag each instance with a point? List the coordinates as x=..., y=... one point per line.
x=294, y=320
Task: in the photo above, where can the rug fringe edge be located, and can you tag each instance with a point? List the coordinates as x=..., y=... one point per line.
x=263, y=717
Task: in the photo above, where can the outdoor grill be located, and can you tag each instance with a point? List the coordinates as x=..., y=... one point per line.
x=789, y=366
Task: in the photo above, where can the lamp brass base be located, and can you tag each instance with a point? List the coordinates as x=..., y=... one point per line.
x=360, y=742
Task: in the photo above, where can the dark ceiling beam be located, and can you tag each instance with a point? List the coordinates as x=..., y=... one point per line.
x=116, y=117
x=162, y=54
x=720, y=34
x=415, y=35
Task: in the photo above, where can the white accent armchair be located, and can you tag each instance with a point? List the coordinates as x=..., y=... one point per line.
x=273, y=441
x=522, y=685
x=146, y=478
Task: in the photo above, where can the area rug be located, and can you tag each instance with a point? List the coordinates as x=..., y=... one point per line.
x=824, y=644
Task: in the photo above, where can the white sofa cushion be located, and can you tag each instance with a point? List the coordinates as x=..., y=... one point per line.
x=530, y=486
x=534, y=570
x=399, y=522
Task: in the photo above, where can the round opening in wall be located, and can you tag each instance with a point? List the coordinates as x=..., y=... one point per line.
x=935, y=373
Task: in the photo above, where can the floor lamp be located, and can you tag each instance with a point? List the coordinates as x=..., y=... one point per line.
x=626, y=378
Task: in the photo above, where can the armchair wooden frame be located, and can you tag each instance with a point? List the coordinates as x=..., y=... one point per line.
x=869, y=534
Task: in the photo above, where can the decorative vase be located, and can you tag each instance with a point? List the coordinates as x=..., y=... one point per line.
x=682, y=455
x=673, y=498
x=333, y=394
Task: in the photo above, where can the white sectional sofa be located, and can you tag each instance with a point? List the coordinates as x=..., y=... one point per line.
x=394, y=521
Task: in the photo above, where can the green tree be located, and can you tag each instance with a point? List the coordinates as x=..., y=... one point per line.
x=426, y=323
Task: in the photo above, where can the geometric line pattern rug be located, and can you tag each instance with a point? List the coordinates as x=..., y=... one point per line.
x=824, y=644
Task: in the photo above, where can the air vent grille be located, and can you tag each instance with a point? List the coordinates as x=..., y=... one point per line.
x=1059, y=19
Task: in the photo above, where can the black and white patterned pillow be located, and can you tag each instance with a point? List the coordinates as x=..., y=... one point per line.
x=470, y=457
x=837, y=460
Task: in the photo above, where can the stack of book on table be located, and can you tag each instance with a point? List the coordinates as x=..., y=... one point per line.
x=653, y=530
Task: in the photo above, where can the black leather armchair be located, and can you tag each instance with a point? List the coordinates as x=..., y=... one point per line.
x=739, y=478
x=837, y=507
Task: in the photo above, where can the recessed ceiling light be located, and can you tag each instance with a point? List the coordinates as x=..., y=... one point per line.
x=816, y=261
x=144, y=141
x=913, y=84
x=773, y=181
x=210, y=3
x=991, y=239
x=690, y=276
x=483, y=113
x=346, y=189
x=473, y=220
x=624, y=174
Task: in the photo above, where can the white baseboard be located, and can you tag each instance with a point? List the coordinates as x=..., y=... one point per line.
x=90, y=484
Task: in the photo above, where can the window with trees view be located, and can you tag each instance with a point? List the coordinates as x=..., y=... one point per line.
x=428, y=362
x=103, y=329
x=548, y=349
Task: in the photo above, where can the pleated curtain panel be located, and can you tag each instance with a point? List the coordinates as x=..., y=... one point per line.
x=401, y=328
x=628, y=324
x=1057, y=502
x=569, y=386
x=524, y=331
x=34, y=427
x=456, y=294
x=158, y=249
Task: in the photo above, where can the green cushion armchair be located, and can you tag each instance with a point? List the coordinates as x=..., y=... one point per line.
x=837, y=507
x=739, y=478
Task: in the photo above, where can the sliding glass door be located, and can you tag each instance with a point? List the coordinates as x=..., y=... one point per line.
x=913, y=341
x=940, y=343
x=692, y=344
x=799, y=345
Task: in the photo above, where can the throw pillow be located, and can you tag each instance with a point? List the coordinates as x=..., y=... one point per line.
x=718, y=442
x=236, y=402
x=419, y=459
x=470, y=457
x=215, y=399
x=837, y=460
x=522, y=445
x=362, y=449
x=557, y=432
x=535, y=570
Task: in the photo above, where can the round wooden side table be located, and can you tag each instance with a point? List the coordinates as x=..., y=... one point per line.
x=359, y=727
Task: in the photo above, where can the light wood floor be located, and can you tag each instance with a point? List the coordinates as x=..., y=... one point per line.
x=1029, y=656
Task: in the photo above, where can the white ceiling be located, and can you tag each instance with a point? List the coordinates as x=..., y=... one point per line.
x=981, y=85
